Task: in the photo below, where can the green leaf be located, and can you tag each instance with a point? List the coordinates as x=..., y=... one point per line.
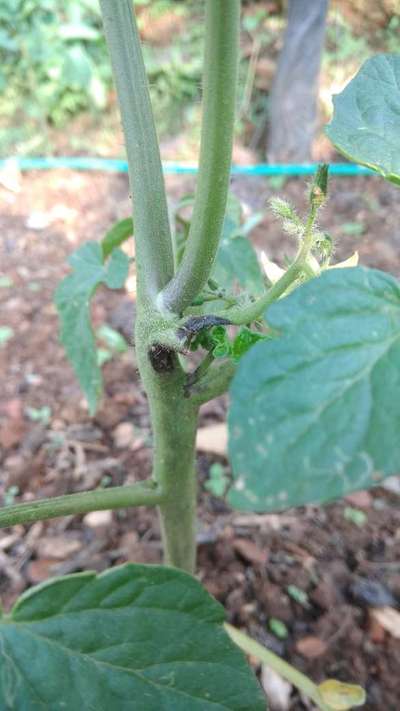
x=77, y=68
x=298, y=595
x=217, y=482
x=243, y=341
x=236, y=261
x=6, y=282
x=112, y=338
x=117, y=235
x=315, y=413
x=72, y=299
x=221, y=346
x=365, y=124
x=6, y=333
x=135, y=638
x=103, y=356
x=39, y=414
x=356, y=516
x=278, y=628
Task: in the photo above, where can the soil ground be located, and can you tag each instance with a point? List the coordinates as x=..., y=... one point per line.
x=248, y=562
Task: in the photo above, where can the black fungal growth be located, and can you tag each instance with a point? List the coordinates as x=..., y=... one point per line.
x=195, y=324
x=162, y=358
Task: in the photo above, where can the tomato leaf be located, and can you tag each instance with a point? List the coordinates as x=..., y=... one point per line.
x=236, y=262
x=365, y=124
x=72, y=299
x=137, y=638
x=116, y=235
x=315, y=412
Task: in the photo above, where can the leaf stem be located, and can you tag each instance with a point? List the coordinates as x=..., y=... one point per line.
x=154, y=260
x=215, y=382
x=144, y=493
x=219, y=81
x=201, y=370
x=285, y=670
x=252, y=312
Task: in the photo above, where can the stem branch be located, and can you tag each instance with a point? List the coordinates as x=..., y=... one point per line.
x=154, y=260
x=140, y=494
x=285, y=670
x=219, y=82
x=252, y=312
x=215, y=382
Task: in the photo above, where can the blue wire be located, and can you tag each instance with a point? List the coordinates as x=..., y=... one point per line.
x=116, y=165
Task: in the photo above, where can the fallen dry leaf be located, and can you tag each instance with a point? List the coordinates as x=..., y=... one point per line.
x=311, y=647
x=213, y=438
x=98, y=519
x=250, y=551
x=13, y=408
x=389, y=619
x=376, y=632
x=123, y=435
x=339, y=696
x=360, y=499
x=58, y=547
x=278, y=690
x=12, y=432
x=40, y=570
x=10, y=175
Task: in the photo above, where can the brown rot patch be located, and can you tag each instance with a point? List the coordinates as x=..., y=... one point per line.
x=162, y=358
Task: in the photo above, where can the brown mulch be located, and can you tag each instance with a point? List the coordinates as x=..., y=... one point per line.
x=250, y=563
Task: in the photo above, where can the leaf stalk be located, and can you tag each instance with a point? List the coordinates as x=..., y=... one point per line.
x=145, y=493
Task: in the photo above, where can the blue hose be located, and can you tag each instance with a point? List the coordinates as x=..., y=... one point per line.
x=116, y=165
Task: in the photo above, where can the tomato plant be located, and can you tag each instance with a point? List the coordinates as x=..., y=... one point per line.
x=312, y=364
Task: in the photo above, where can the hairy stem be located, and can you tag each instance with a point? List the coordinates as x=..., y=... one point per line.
x=154, y=259
x=219, y=86
x=215, y=382
x=285, y=670
x=252, y=312
x=174, y=422
x=144, y=493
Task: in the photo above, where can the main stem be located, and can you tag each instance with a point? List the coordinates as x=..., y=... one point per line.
x=160, y=294
x=174, y=422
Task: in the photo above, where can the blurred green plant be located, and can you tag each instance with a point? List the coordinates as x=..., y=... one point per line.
x=53, y=60
x=54, y=64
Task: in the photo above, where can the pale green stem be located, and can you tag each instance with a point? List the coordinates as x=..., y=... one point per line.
x=154, y=259
x=215, y=382
x=219, y=87
x=285, y=670
x=140, y=494
x=308, y=238
x=252, y=312
x=174, y=422
x=299, y=268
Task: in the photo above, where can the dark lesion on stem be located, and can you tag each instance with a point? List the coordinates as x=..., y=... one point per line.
x=194, y=324
x=162, y=358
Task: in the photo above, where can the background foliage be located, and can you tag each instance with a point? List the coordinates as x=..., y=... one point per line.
x=54, y=65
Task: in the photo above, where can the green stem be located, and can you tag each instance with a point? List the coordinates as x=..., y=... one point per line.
x=154, y=260
x=215, y=382
x=308, y=238
x=174, y=422
x=201, y=370
x=252, y=312
x=285, y=670
x=219, y=82
x=140, y=494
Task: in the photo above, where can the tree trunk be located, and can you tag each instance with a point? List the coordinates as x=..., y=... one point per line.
x=293, y=99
